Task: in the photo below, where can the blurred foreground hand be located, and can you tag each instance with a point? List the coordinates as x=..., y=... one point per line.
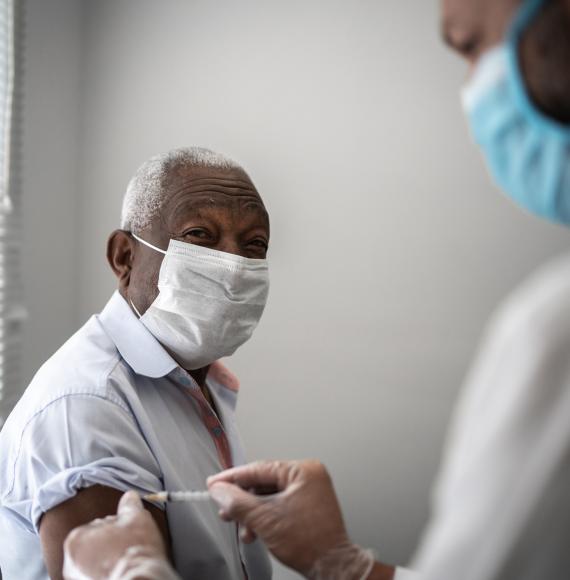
x=127, y=546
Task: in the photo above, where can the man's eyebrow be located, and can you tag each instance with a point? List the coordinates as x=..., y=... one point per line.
x=259, y=208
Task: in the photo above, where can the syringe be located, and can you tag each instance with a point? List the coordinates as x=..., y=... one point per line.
x=175, y=496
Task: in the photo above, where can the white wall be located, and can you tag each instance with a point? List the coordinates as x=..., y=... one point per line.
x=390, y=248
x=50, y=178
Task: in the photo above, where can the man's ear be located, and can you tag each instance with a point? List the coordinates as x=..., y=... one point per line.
x=120, y=255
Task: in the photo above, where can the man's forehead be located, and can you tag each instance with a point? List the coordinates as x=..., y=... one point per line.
x=202, y=189
x=194, y=202
x=221, y=185
x=200, y=172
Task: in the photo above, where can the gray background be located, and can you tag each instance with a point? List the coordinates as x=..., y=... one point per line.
x=390, y=247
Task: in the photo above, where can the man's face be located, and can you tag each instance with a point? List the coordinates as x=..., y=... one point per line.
x=470, y=27
x=218, y=209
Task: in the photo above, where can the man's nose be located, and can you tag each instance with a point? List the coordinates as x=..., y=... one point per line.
x=230, y=246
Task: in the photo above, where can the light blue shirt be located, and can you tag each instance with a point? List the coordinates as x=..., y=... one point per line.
x=111, y=407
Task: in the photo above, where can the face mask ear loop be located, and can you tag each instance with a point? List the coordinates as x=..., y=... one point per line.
x=135, y=309
x=152, y=247
x=147, y=243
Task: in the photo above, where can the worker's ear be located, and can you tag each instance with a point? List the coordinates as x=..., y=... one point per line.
x=120, y=255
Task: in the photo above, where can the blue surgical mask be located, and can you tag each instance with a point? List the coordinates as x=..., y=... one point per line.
x=527, y=152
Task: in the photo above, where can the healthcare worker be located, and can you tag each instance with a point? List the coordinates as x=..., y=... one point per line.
x=501, y=509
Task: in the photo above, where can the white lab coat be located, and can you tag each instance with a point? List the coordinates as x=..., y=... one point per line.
x=501, y=506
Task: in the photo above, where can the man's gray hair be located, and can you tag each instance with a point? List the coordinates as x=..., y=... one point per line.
x=148, y=189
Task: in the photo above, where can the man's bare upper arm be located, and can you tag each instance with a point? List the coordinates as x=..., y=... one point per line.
x=89, y=503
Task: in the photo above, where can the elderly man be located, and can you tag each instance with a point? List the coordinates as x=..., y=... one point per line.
x=501, y=508
x=135, y=400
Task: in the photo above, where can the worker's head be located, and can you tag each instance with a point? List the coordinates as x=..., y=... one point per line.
x=204, y=210
x=518, y=94
x=472, y=27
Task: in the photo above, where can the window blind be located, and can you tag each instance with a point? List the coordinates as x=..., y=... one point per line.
x=11, y=306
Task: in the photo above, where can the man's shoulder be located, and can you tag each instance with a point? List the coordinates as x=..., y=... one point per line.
x=84, y=362
x=79, y=388
x=85, y=365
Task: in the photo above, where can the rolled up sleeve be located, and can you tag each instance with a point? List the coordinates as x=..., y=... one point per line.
x=75, y=442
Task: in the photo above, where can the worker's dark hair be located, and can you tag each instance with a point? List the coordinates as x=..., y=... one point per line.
x=545, y=55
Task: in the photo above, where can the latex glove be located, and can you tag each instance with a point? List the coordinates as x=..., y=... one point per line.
x=127, y=546
x=301, y=524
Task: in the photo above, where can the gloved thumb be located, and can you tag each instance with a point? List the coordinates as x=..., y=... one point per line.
x=130, y=503
x=234, y=502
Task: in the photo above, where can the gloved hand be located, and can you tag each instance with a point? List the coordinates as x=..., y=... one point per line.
x=301, y=523
x=127, y=546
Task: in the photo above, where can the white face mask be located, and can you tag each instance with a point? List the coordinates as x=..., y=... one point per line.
x=209, y=302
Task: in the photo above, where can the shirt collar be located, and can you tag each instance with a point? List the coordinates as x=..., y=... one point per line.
x=140, y=349
x=144, y=354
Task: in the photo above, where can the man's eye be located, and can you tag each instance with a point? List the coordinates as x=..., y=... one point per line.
x=260, y=244
x=198, y=233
